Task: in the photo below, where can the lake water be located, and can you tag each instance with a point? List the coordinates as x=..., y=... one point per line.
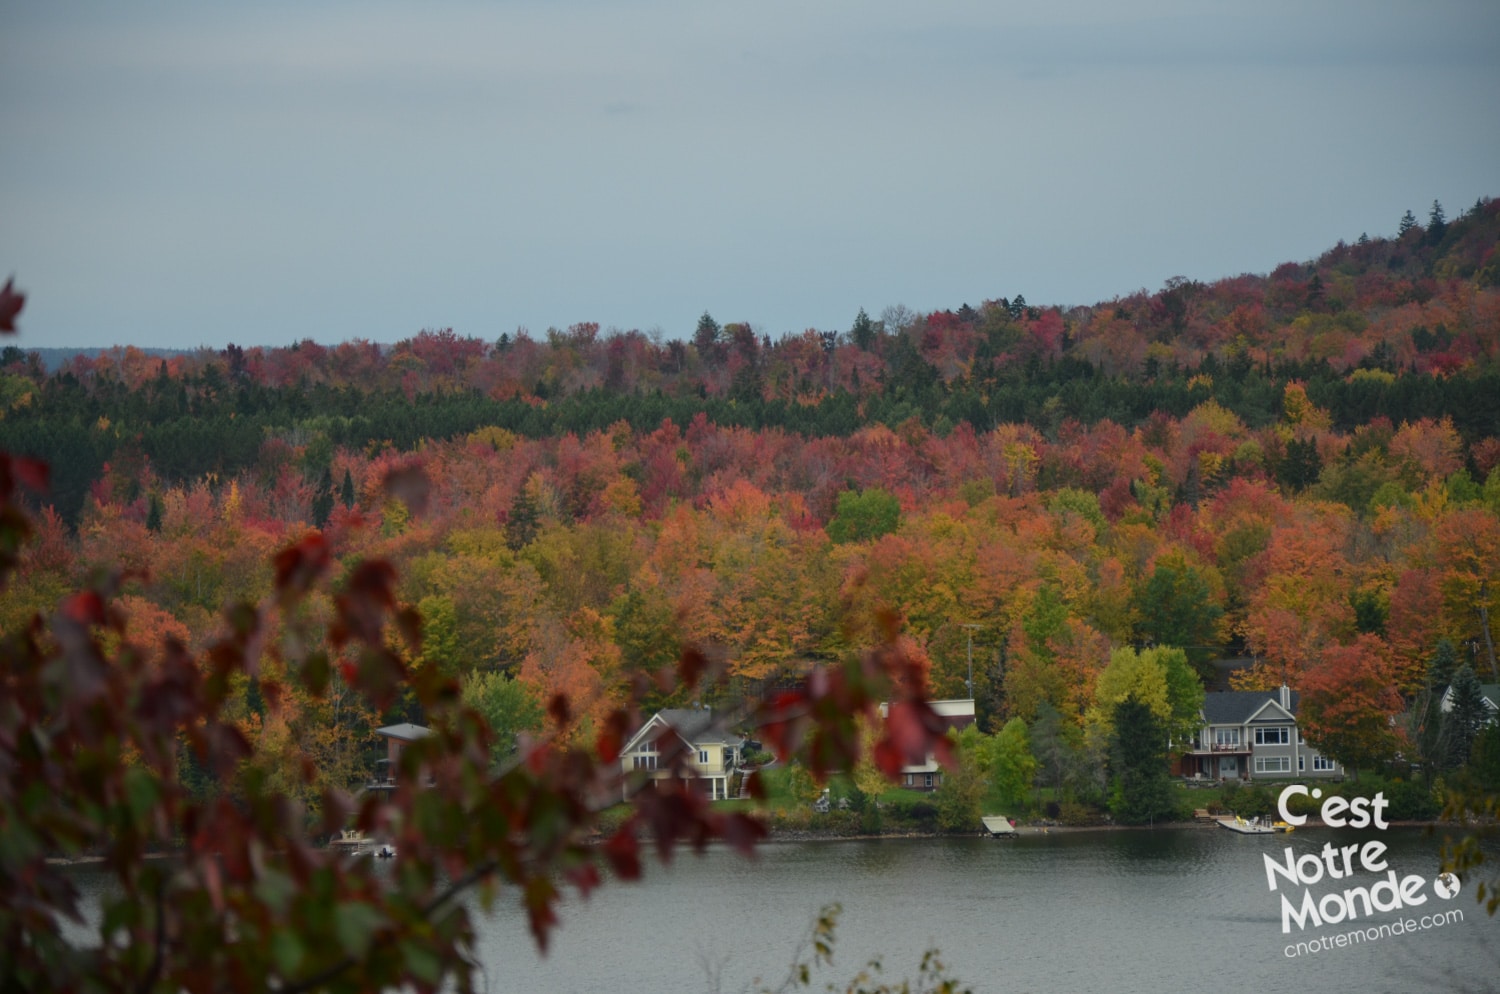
x=1182, y=909
x=1164, y=910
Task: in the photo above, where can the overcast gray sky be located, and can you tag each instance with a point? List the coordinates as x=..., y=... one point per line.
x=180, y=174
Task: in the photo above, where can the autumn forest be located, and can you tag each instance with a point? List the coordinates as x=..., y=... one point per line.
x=1299, y=471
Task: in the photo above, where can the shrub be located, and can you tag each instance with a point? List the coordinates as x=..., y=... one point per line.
x=1409, y=801
x=1255, y=801
x=1229, y=794
x=1073, y=813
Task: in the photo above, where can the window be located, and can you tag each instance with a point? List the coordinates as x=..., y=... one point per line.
x=646, y=762
x=1273, y=736
x=1273, y=764
x=1301, y=763
x=702, y=757
x=929, y=779
x=1226, y=736
x=1322, y=765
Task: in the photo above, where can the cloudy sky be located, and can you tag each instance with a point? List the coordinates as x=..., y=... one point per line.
x=180, y=174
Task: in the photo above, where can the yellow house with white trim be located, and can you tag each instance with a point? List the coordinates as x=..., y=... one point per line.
x=708, y=753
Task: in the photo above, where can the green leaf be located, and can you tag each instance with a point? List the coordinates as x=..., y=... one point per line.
x=287, y=951
x=141, y=792
x=421, y=962
x=355, y=925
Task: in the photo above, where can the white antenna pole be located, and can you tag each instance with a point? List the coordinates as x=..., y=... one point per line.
x=971, y=657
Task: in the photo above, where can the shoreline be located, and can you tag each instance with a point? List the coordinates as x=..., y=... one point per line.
x=785, y=835
x=816, y=835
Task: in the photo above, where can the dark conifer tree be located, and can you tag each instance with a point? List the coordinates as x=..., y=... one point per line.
x=1141, y=792
x=1466, y=715
x=863, y=333
x=322, y=503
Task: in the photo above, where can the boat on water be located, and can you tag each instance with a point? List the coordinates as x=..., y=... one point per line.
x=1253, y=826
x=999, y=826
x=354, y=843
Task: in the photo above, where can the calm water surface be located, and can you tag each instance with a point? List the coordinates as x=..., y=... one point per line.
x=1165, y=910
x=1151, y=911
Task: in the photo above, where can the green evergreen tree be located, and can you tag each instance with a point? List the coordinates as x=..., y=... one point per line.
x=706, y=340
x=154, y=514
x=1443, y=664
x=1437, y=223
x=524, y=520
x=1484, y=758
x=1426, y=723
x=1466, y=715
x=1141, y=792
x=863, y=333
x=1053, y=742
x=1408, y=222
x=346, y=491
x=322, y=502
x=1298, y=469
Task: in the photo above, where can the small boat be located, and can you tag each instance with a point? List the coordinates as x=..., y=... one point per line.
x=999, y=826
x=354, y=843
x=1253, y=826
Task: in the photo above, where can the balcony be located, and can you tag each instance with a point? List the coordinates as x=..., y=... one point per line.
x=1220, y=748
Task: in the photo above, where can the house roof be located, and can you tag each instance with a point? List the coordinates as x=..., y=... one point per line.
x=1238, y=707
x=1489, y=691
x=956, y=713
x=696, y=726
x=406, y=732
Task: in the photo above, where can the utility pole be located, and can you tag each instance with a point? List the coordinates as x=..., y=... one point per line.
x=971, y=656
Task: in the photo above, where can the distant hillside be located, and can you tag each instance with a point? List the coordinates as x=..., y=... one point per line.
x=1300, y=468
x=1390, y=330
x=53, y=359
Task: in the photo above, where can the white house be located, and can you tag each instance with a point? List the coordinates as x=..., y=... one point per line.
x=957, y=714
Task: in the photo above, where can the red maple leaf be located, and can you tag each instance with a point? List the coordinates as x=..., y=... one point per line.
x=11, y=303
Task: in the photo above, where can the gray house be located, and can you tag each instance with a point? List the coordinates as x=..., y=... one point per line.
x=1253, y=734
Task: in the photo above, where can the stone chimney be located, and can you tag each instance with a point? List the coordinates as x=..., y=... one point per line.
x=1286, y=698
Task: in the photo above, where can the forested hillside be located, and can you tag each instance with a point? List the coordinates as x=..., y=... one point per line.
x=1300, y=467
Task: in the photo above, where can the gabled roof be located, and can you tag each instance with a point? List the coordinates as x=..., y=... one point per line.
x=1240, y=707
x=405, y=732
x=695, y=726
x=1489, y=691
x=1271, y=712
